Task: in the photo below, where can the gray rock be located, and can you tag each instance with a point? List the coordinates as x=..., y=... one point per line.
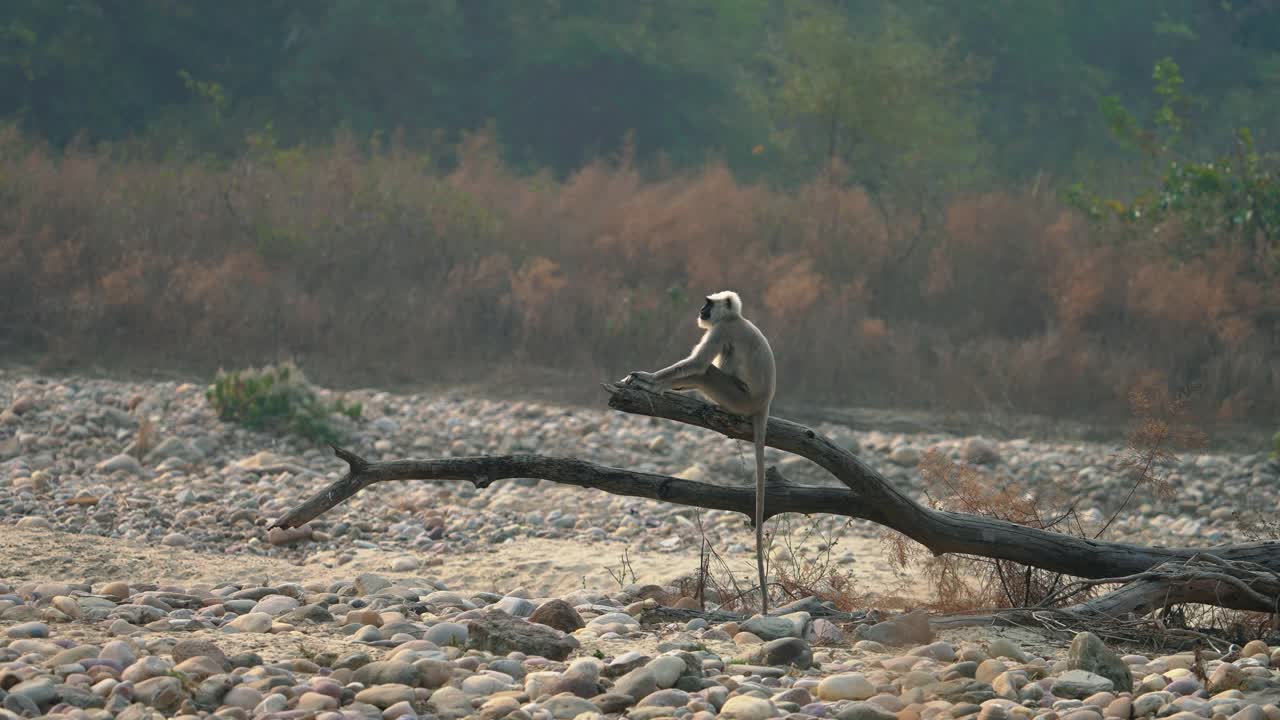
x=825, y=632
x=517, y=607
x=865, y=711
x=352, y=661
x=785, y=651
x=21, y=705
x=433, y=673
x=963, y=690
x=246, y=660
x=449, y=702
x=500, y=633
x=1183, y=686
x=122, y=463
x=567, y=707
x=625, y=663
x=910, y=629
x=209, y=694
x=638, y=684
x=670, y=698
x=557, y=614
x=276, y=605
x=747, y=707
x=964, y=668
x=163, y=693
x=76, y=696
x=1004, y=647
x=979, y=451
x=308, y=613
x=667, y=669
x=1090, y=654
x=384, y=696
x=175, y=447
x=508, y=666
x=28, y=630
x=769, y=628
x=905, y=456
x=575, y=682
x=1225, y=677
x=40, y=691
x=1080, y=684
x=612, y=703
x=447, y=633
x=369, y=583
x=941, y=651
x=387, y=672
x=187, y=649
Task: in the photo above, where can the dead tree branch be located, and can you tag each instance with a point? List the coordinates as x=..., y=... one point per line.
x=876, y=499
x=783, y=496
x=867, y=495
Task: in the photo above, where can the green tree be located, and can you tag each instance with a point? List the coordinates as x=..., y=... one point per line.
x=1230, y=201
x=372, y=66
x=884, y=106
x=585, y=74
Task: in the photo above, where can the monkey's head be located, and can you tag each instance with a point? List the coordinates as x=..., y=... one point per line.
x=720, y=306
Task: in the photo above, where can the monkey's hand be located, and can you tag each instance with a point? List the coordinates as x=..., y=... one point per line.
x=642, y=380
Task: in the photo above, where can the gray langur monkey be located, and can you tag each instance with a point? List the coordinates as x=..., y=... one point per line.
x=733, y=366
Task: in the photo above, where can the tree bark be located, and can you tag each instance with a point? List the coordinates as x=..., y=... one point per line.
x=866, y=495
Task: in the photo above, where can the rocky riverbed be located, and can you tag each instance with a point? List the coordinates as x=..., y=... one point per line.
x=137, y=577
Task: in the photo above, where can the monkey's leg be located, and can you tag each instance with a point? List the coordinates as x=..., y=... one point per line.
x=720, y=387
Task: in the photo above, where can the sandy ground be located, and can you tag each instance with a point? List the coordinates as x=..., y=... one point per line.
x=542, y=567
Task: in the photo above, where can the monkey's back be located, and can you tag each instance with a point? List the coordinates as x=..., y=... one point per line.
x=748, y=356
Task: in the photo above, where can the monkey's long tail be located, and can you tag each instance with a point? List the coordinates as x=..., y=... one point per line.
x=758, y=425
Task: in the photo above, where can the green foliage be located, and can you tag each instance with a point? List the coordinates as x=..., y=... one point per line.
x=885, y=103
x=1230, y=202
x=1275, y=445
x=278, y=399
x=207, y=92
x=906, y=88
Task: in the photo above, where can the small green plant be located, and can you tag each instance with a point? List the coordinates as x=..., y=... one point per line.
x=277, y=398
x=1275, y=445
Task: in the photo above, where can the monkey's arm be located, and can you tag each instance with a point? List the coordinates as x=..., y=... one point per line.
x=697, y=362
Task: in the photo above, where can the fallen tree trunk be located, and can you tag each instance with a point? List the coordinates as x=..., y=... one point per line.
x=866, y=495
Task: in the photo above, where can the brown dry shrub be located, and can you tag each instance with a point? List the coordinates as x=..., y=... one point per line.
x=987, y=272
x=369, y=259
x=964, y=582
x=1161, y=426
x=796, y=286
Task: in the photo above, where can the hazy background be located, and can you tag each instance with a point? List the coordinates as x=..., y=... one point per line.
x=992, y=204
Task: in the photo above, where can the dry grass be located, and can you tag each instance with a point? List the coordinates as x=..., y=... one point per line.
x=368, y=263
x=1161, y=426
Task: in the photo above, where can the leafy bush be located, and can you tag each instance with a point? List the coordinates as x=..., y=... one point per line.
x=277, y=398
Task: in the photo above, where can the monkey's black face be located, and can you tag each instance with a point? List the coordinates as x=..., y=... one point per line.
x=705, y=312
